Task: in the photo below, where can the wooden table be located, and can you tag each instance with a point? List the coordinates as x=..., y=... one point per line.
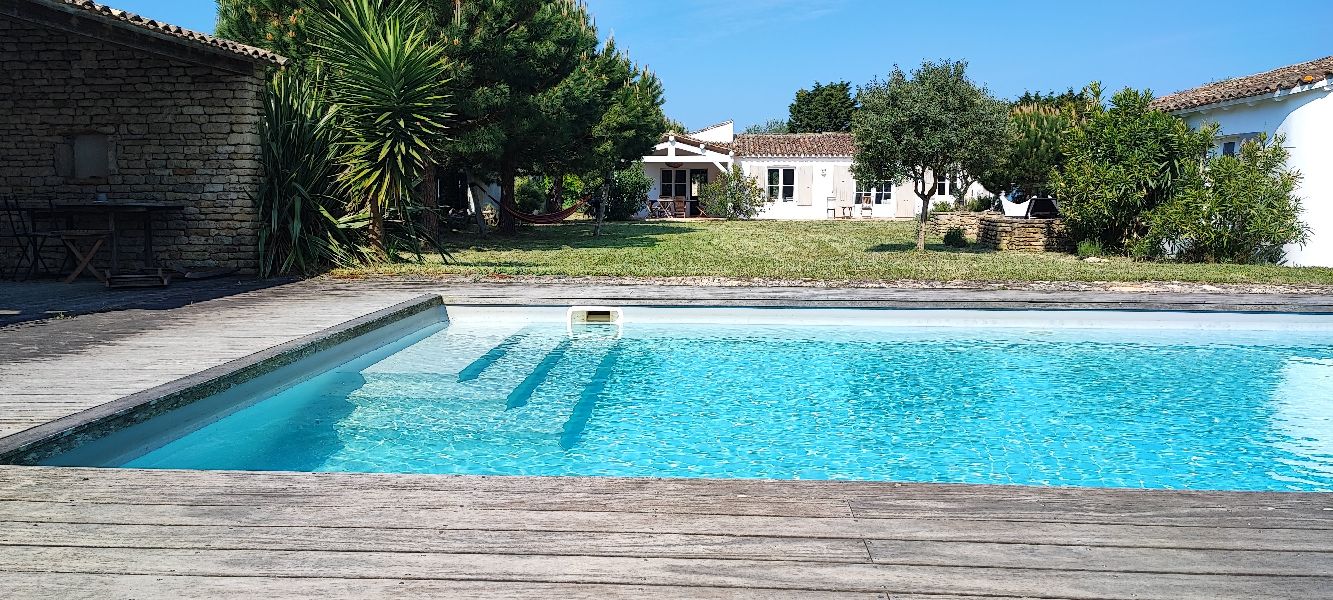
x=113, y=212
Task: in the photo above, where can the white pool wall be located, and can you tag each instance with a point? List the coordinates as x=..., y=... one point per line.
x=898, y=317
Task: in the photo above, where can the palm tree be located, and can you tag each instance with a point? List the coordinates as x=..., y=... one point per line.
x=384, y=75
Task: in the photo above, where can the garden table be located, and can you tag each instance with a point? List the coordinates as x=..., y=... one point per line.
x=114, y=213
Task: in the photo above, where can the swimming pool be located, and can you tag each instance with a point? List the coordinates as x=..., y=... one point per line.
x=1109, y=399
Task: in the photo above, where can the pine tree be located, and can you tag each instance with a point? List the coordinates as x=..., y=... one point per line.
x=275, y=25
x=825, y=107
x=535, y=93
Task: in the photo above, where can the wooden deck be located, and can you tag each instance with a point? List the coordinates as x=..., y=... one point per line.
x=169, y=534
x=123, y=533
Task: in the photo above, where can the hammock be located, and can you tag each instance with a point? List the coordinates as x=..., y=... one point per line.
x=546, y=219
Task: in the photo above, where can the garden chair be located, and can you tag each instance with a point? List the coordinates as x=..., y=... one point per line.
x=31, y=242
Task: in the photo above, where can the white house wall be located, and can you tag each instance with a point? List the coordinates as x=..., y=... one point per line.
x=1306, y=119
x=831, y=177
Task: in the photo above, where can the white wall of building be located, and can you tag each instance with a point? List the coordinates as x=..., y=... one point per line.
x=1305, y=117
x=832, y=177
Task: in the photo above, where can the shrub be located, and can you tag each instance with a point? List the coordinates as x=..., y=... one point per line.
x=1244, y=211
x=1033, y=151
x=629, y=192
x=943, y=206
x=982, y=203
x=1123, y=163
x=732, y=196
x=955, y=238
x=530, y=194
x=1087, y=248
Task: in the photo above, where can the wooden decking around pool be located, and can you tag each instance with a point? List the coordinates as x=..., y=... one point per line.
x=91, y=533
x=133, y=533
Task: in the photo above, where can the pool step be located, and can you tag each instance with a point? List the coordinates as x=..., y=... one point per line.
x=572, y=432
x=474, y=370
x=520, y=395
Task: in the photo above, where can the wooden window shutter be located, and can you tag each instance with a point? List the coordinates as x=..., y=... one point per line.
x=805, y=183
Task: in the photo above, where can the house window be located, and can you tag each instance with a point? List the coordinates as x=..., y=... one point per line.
x=879, y=192
x=782, y=184
x=943, y=185
x=1229, y=149
x=84, y=156
x=675, y=183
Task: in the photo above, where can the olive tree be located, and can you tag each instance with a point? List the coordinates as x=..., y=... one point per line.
x=934, y=123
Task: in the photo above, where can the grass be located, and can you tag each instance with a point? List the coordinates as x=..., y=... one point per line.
x=808, y=250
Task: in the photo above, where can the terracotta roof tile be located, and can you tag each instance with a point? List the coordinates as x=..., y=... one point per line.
x=1267, y=82
x=237, y=48
x=828, y=145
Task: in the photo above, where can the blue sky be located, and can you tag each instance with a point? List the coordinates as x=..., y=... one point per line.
x=745, y=59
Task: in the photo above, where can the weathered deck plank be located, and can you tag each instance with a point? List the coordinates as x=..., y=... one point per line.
x=752, y=574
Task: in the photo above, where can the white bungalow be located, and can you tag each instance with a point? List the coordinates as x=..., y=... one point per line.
x=804, y=175
x=1293, y=101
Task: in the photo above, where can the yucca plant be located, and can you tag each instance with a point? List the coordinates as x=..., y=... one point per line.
x=385, y=75
x=299, y=231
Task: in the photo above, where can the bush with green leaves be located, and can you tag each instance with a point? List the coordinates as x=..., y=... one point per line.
x=302, y=226
x=1033, y=151
x=1123, y=163
x=981, y=203
x=955, y=237
x=733, y=196
x=943, y=206
x=1088, y=248
x=628, y=193
x=1244, y=211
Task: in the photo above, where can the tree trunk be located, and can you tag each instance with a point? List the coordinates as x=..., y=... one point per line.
x=428, y=195
x=555, y=201
x=377, y=230
x=601, y=210
x=921, y=223
x=507, y=175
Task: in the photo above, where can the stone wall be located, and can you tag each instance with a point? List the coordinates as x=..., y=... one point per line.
x=1023, y=235
x=177, y=132
x=942, y=222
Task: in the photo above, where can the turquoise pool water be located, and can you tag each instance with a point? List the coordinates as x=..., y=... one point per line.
x=1130, y=408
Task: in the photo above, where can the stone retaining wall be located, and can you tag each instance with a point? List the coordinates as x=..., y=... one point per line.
x=942, y=222
x=1023, y=235
x=175, y=131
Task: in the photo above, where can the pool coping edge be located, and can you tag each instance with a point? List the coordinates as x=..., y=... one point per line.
x=53, y=437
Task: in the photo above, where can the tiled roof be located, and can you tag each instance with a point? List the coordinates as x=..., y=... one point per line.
x=828, y=145
x=239, y=49
x=1268, y=82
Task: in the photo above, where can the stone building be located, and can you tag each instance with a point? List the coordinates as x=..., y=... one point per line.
x=94, y=100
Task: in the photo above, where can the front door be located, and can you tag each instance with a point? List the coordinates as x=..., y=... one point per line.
x=698, y=178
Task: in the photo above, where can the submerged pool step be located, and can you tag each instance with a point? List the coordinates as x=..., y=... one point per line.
x=474, y=370
x=572, y=432
x=520, y=395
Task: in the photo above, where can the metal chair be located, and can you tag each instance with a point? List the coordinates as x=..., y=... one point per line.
x=31, y=242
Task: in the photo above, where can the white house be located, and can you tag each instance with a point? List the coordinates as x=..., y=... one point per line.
x=1293, y=101
x=804, y=175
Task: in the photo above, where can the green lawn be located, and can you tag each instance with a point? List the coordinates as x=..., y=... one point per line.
x=818, y=250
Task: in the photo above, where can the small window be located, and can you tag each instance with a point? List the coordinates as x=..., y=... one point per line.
x=675, y=183
x=1229, y=149
x=943, y=185
x=878, y=192
x=91, y=156
x=782, y=184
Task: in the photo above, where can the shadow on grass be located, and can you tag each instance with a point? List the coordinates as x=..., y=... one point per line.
x=932, y=247
x=571, y=235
